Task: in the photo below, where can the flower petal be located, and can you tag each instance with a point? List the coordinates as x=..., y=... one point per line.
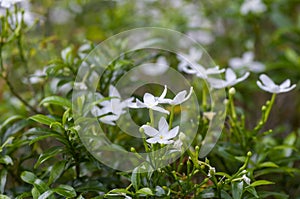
x=163, y=141
x=163, y=125
x=164, y=93
x=159, y=109
x=113, y=92
x=285, y=84
x=288, y=89
x=230, y=75
x=150, y=131
x=153, y=140
x=266, y=80
x=149, y=100
x=172, y=133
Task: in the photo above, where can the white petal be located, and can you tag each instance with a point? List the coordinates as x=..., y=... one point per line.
x=285, y=84
x=248, y=57
x=153, y=140
x=150, y=131
x=288, y=89
x=113, y=92
x=163, y=125
x=165, y=141
x=260, y=85
x=266, y=80
x=236, y=63
x=245, y=76
x=257, y=67
x=164, y=93
x=149, y=100
x=179, y=98
x=172, y=133
x=159, y=109
x=230, y=75
x=217, y=83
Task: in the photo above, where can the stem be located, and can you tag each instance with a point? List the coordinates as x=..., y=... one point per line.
x=204, y=99
x=269, y=108
x=151, y=115
x=171, y=117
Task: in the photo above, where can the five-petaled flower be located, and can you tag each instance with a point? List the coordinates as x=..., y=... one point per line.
x=163, y=135
x=246, y=62
x=179, y=98
x=230, y=79
x=111, y=109
x=268, y=85
x=151, y=102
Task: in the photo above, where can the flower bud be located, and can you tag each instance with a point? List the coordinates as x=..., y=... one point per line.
x=232, y=91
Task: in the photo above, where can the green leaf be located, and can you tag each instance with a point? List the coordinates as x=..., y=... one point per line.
x=120, y=191
x=261, y=182
x=290, y=141
x=28, y=177
x=237, y=189
x=135, y=178
x=46, y=194
x=145, y=191
x=268, y=164
x=6, y=160
x=35, y=193
x=3, y=176
x=48, y=154
x=9, y=120
x=252, y=191
x=57, y=100
x=65, y=190
x=56, y=171
x=42, y=119
x=4, y=197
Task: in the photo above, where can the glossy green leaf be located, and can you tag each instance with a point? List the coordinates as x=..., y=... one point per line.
x=3, y=178
x=46, y=194
x=42, y=119
x=6, y=160
x=237, y=189
x=261, y=182
x=28, y=177
x=145, y=191
x=48, y=154
x=56, y=171
x=268, y=164
x=65, y=190
x=57, y=100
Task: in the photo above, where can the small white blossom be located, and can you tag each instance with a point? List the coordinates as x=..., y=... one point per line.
x=268, y=85
x=230, y=79
x=155, y=69
x=8, y=3
x=151, y=102
x=187, y=59
x=211, y=171
x=246, y=62
x=163, y=135
x=246, y=179
x=114, y=107
x=252, y=6
x=179, y=98
x=201, y=72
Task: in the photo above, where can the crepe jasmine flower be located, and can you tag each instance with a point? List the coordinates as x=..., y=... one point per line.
x=8, y=3
x=155, y=69
x=187, y=59
x=151, y=102
x=246, y=62
x=202, y=72
x=246, y=179
x=230, y=79
x=252, y=6
x=268, y=85
x=179, y=98
x=163, y=135
x=211, y=171
x=115, y=107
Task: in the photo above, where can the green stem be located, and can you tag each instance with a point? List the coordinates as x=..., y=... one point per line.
x=171, y=117
x=269, y=108
x=151, y=115
x=204, y=99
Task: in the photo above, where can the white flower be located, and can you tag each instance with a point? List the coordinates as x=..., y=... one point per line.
x=246, y=62
x=162, y=135
x=252, y=6
x=150, y=102
x=114, y=106
x=211, y=171
x=37, y=77
x=246, y=179
x=230, y=79
x=268, y=85
x=179, y=98
x=201, y=72
x=192, y=58
x=155, y=69
x=8, y=3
